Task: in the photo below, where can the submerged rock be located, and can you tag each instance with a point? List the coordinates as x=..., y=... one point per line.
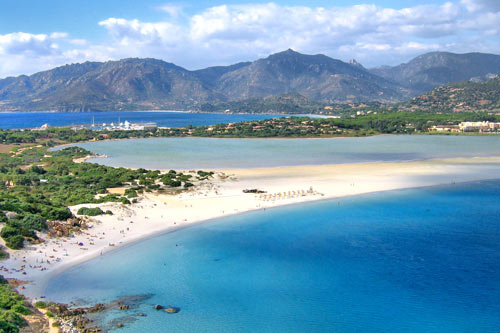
x=97, y=308
x=172, y=310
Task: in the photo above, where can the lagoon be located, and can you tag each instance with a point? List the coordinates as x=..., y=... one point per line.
x=210, y=153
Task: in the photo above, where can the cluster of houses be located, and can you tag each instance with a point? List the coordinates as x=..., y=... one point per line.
x=468, y=126
x=306, y=125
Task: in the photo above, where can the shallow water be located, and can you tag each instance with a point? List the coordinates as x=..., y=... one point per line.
x=206, y=153
x=419, y=260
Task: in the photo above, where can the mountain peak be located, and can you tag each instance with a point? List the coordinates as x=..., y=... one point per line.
x=286, y=53
x=354, y=62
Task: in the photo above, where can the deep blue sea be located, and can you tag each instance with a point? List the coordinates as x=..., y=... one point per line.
x=418, y=260
x=11, y=120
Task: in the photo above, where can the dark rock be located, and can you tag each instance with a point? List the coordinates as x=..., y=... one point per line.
x=97, y=308
x=91, y=330
x=80, y=322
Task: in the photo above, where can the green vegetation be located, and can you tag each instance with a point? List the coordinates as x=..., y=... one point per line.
x=362, y=125
x=12, y=307
x=131, y=193
x=3, y=254
x=14, y=242
x=37, y=186
x=90, y=211
x=459, y=97
x=93, y=211
x=41, y=305
x=204, y=174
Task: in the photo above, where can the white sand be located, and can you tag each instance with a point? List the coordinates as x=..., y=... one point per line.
x=154, y=214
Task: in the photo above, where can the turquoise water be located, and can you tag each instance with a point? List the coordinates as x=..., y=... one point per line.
x=205, y=153
x=167, y=119
x=419, y=260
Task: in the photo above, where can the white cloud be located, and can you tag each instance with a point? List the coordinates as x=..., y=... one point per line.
x=229, y=33
x=477, y=5
x=20, y=42
x=24, y=53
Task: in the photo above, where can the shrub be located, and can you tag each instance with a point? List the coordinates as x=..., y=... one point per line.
x=7, y=327
x=90, y=211
x=34, y=222
x=9, y=231
x=130, y=193
x=12, y=318
x=183, y=177
x=21, y=308
x=3, y=254
x=28, y=233
x=124, y=201
x=60, y=214
x=204, y=173
x=167, y=181
x=41, y=304
x=37, y=169
x=15, y=242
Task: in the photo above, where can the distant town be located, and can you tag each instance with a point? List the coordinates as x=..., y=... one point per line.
x=118, y=126
x=468, y=126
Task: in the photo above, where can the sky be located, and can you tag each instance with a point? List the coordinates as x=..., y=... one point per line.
x=38, y=35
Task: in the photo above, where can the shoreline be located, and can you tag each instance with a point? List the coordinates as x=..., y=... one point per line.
x=156, y=215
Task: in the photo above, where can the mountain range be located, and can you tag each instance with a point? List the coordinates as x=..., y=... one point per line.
x=435, y=69
x=145, y=84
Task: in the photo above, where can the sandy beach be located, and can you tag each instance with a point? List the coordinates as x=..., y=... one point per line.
x=223, y=195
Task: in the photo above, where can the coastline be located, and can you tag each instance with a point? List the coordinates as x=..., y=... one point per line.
x=157, y=214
